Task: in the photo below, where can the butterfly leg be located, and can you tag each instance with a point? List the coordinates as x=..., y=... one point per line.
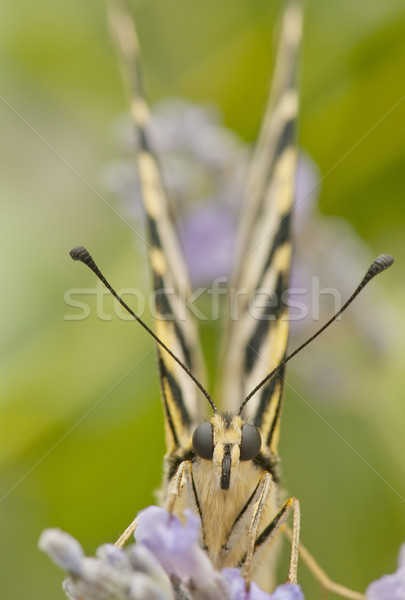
x=173, y=495
x=240, y=527
x=326, y=583
x=184, y=474
x=249, y=519
x=176, y=485
x=124, y=537
x=247, y=524
x=261, y=542
x=258, y=501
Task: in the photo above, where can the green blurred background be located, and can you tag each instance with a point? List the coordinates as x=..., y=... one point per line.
x=81, y=440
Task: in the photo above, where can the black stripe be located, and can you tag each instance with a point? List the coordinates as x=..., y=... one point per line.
x=265, y=533
x=162, y=303
x=197, y=501
x=164, y=309
x=266, y=393
x=175, y=461
x=266, y=396
x=287, y=138
x=277, y=413
x=143, y=139
x=165, y=375
x=282, y=236
x=176, y=393
x=184, y=347
x=268, y=463
x=225, y=545
x=178, y=398
x=162, y=371
x=268, y=530
x=227, y=418
x=226, y=468
x=153, y=233
x=269, y=315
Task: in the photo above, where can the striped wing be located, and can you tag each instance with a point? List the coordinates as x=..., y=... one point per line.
x=174, y=325
x=257, y=335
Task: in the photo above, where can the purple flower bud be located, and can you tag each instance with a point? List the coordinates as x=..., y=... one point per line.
x=208, y=237
x=390, y=587
x=237, y=587
x=174, y=545
x=144, y=561
x=288, y=591
x=63, y=549
x=167, y=563
x=113, y=556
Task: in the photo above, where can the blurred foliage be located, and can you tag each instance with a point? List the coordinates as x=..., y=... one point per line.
x=81, y=429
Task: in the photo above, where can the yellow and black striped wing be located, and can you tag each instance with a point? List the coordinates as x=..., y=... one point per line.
x=257, y=333
x=182, y=401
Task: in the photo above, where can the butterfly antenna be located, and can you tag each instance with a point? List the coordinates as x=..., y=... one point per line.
x=84, y=256
x=381, y=263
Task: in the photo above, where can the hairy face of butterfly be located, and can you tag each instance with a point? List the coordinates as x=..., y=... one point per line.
x=226, y=440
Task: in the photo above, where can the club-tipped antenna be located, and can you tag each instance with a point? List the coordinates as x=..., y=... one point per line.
x=80, y=253
x=381, y=263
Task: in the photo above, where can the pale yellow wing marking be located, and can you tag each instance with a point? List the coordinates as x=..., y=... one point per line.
x=257, y=335
x=183, y=404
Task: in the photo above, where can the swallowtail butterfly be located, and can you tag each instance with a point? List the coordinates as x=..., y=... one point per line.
x=223, y=462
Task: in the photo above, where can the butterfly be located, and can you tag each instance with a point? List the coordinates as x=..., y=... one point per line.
x=222, y=463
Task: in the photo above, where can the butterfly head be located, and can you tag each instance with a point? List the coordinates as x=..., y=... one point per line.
x=226, y=440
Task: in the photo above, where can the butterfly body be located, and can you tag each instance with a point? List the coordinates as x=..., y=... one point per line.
x=223, y=485
x=224, y=467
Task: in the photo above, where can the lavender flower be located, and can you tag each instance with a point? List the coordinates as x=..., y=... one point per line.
x=237, y=589
x=109, y=576
x=176, y=547
x=288, y=591
x=208, y=238
x=390, y=587
x=65, y=551
x=166, y=563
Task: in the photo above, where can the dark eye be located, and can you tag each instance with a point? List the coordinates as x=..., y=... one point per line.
x=251, y=442
x=202, y=441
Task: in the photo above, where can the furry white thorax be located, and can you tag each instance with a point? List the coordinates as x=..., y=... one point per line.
x=220, y=508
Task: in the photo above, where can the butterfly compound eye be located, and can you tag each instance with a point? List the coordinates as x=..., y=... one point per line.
x=251, y=442
x=203, y=442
